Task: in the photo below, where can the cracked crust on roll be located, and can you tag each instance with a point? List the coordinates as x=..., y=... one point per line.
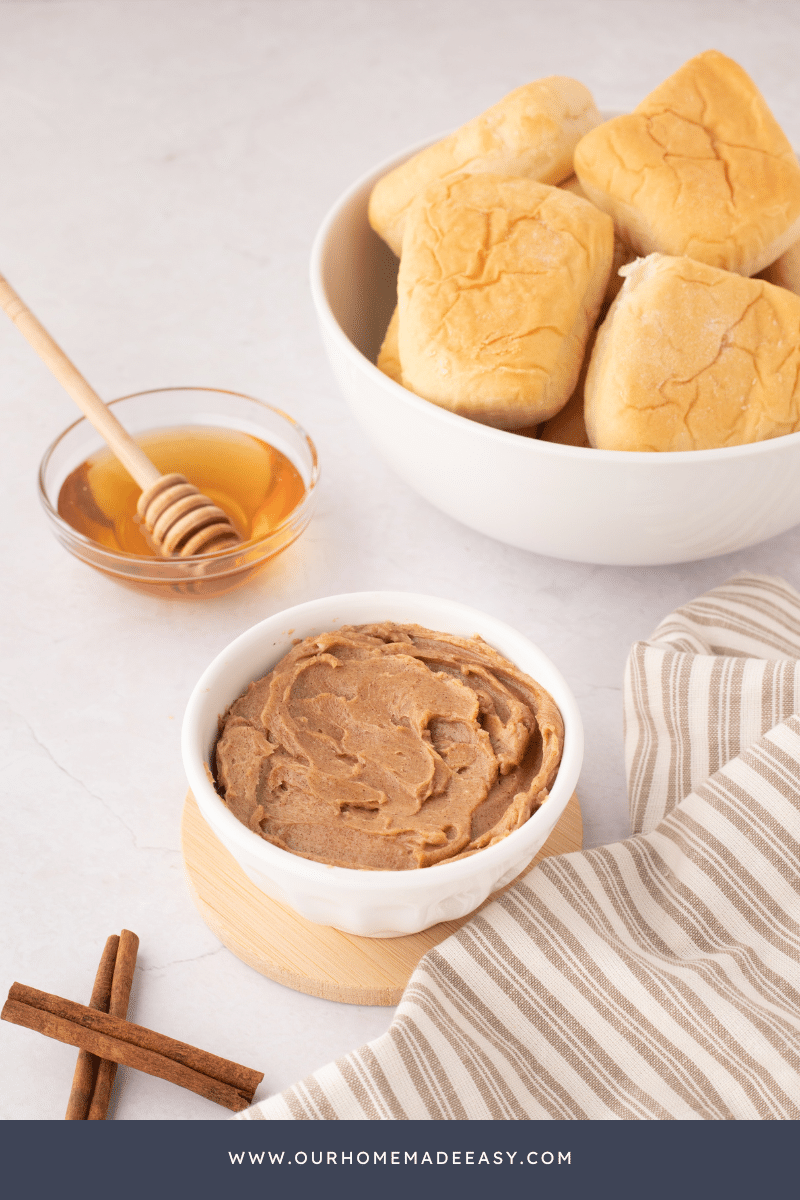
x=693, y=358
x=501, y=280
x=531, y=132
x=700, y=168
x=622, y=252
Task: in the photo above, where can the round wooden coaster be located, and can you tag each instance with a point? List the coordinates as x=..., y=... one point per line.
x=315, y=959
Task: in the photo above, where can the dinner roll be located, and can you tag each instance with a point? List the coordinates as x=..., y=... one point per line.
x=568, y=426
x=531, y=132
x=622, y=252
x=785, y=271
x=389, y=353
x=691, y=357
x=700, y=167
x=500, y=282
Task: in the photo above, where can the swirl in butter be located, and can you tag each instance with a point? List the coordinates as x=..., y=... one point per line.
x=388, y=747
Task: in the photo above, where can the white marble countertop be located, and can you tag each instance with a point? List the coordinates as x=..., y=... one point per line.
x=164, y=168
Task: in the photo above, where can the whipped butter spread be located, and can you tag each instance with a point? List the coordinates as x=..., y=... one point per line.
x=388, y=747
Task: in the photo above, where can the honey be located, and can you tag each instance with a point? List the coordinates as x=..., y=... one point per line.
x=253, y=482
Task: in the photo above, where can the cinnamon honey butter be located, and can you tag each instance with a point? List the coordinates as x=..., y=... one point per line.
x=388, y=747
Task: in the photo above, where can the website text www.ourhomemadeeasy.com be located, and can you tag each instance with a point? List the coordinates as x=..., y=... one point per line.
x=400, y=1158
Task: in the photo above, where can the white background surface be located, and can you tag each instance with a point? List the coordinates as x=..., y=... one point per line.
x=164, y=166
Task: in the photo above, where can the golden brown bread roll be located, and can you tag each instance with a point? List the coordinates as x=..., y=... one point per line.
x=500, y=282
x=691, y=357
x=531, y=132
x=623, y=254
x=389, y=353
x=700, y=167
x=568, y=426
x=785, y=271
x=388, y=361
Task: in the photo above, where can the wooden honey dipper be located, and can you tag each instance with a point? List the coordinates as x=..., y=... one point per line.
x=181, y=521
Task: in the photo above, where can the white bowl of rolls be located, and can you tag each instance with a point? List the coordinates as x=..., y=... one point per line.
x=637, y=503
x=371, y=902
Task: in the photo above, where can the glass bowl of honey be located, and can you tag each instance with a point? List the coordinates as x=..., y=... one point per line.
x=249, y=457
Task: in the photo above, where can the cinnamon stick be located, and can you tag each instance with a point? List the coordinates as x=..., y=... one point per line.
x=218, y=1079
x=86, y=1067
x=122, y=982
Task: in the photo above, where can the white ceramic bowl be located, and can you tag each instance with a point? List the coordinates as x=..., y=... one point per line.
x=370, y=903
x=597, y=506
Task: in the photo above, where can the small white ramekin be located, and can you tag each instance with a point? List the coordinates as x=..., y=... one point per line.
x=370, y=903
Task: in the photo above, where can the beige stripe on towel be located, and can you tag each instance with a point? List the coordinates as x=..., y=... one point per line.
x=656, y=978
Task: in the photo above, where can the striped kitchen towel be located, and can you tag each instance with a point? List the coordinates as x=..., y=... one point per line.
x=656, y=978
